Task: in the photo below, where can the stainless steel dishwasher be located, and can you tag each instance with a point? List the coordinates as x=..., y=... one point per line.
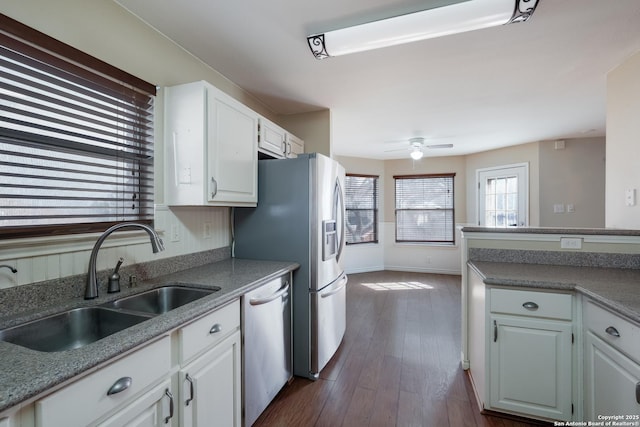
x=266, y=317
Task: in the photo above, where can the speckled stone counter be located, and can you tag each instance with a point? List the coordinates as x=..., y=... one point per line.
x=616, y=288
x=25, y=373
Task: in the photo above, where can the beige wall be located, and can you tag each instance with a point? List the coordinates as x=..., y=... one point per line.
x=623, y=144
x=525, y=153
x=314, y=128
x=573, y=175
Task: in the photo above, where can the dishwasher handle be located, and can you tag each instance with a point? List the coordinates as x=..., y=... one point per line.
x=280, y=292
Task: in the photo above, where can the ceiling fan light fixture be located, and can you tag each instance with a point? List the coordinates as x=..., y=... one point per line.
x=452, y=19
x=416, y=153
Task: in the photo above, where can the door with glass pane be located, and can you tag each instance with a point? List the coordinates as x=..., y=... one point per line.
x=503, y=195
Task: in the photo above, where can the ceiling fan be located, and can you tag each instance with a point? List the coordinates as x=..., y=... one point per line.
x=417, y=145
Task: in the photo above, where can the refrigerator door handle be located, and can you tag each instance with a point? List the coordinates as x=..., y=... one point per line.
x=344, y=280
x=339, y=217
x=280, y=292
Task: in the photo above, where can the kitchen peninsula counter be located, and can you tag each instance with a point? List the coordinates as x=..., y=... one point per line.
x=615, y=288
x=25, y=373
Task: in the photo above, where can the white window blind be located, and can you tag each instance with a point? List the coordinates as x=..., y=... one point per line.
x=425, y=208
x=361, y=203
x=76, y=139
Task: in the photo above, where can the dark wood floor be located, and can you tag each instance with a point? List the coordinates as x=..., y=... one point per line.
x=399, y=363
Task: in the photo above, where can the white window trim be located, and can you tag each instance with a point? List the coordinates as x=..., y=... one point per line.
x=497, y=170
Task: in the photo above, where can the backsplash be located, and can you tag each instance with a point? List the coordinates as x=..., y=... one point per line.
x=575, y=259
x=50, y=292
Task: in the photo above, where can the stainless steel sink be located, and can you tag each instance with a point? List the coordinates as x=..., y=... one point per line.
x=160, y=300
x=70, y=329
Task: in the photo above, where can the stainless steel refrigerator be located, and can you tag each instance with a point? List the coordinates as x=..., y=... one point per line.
x=300, y=217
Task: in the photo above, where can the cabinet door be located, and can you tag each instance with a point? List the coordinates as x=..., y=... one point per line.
x=530, y=366
x=232, y=156
x=295, y=146
x=210, y=387
x=612, y=381
x=152, y=409
x=271, y=138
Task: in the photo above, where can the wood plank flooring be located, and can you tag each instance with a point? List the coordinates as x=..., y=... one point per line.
x=398, y=365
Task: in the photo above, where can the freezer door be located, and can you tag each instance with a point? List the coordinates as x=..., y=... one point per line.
x=328, y=322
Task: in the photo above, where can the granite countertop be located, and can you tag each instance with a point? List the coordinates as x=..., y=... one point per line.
x=615, y=288
x=26, y=373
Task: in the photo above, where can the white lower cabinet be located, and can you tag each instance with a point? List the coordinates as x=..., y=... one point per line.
x=210, y=387
x=531, y=367
x=210, y=370
x=612, y=365
x=154, y=408
x=530, y=357
x=95, y=398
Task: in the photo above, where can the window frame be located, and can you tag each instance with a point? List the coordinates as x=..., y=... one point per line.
x=376, y=203
x=451, y=230
x=92, y=75
x=521, y=171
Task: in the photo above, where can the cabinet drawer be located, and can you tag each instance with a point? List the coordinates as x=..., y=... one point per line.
x=86, y=399
x=531, y=303
x=618, y=332
x=208, y=330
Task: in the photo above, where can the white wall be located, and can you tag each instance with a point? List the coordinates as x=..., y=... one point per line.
x=623, y=144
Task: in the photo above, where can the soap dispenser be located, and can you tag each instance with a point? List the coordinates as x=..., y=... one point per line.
x=114, y=279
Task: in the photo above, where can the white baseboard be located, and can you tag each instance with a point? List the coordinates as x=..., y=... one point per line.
x=422, y=270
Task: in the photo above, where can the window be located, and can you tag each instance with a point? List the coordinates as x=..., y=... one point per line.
x=361, y=203
x=503, y=196
x=76, y=138
x=424, y=208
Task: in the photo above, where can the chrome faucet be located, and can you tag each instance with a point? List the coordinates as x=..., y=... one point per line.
x=91, y=291
x=13, y=270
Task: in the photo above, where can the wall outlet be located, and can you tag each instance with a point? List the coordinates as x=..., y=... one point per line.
x=571, y=243
x=207, y=230
x=175, y=233
x=571, y=208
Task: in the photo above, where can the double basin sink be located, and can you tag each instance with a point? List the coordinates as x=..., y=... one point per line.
x=82, y=326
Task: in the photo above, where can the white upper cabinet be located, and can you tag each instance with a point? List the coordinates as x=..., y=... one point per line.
x=276, y=141
x=210, y=146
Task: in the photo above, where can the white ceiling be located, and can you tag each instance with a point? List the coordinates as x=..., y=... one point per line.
x=539, y=80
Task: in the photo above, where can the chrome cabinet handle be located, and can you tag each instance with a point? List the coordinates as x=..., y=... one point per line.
x=170, y=396
x=215, y=328
x=495, y=331
x=119, y=386
x=275, y=295
x=612, y=331
x=530, y=305
x=214, y=187
x=638, y=392
x=188, y=378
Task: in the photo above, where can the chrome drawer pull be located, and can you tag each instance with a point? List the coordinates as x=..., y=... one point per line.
x=612, y=331
x=530, y=305
x=215, y=328
x=170, y=396
x=119, y=386
x=638, y=392
x=188, y=378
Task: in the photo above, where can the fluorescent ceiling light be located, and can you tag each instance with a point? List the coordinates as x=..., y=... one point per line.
x=456, y=18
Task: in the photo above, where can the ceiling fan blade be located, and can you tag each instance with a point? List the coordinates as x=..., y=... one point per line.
x=440, y=146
